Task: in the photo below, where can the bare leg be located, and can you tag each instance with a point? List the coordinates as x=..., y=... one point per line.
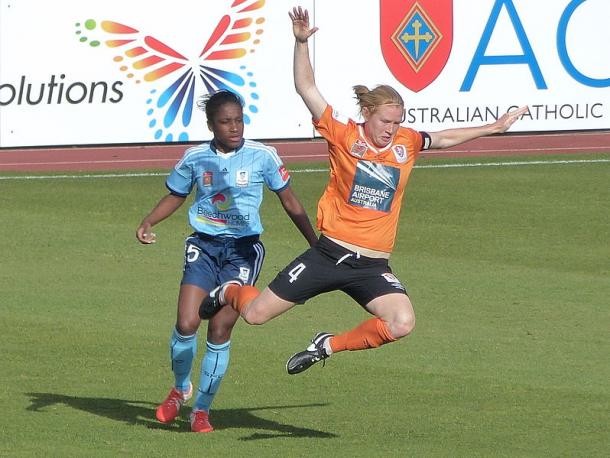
x=262, y=308
x=396, y=310
x=187, y=321
x=394, y=318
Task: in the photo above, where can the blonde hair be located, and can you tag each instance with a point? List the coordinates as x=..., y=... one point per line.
x=380, y=95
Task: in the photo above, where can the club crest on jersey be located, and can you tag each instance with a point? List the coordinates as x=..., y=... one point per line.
x=241, y=179
x=400, y=152
x=416, y=39
x=207, y=178
x=283, y=172
x=359, y=149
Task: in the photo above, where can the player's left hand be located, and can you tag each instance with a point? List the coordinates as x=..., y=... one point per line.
x=508, y=119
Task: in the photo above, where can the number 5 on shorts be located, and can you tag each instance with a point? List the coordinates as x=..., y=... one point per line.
x=192, y=253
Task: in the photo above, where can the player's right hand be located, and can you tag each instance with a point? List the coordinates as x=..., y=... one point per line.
x=300, y=24
x=145, y=235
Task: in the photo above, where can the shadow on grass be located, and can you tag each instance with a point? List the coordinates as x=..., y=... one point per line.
x=143, y=414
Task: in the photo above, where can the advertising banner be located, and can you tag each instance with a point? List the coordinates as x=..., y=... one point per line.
x=465, y=62
x=116, y=72
x=75, y=72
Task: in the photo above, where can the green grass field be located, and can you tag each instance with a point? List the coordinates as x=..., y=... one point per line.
x=508, y=268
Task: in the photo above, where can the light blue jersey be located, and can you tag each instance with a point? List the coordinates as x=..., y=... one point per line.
x=229, y=187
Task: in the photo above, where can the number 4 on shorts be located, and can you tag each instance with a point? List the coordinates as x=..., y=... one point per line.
x=294, y=273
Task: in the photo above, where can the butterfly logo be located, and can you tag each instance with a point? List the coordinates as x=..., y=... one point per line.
x=175, y=80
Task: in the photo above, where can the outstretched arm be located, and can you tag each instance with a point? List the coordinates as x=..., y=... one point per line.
x=166, y=207
x=452, y=137
x=293, y=208
x=304, y=81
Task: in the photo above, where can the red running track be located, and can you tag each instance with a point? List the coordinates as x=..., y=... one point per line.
x=165, y=156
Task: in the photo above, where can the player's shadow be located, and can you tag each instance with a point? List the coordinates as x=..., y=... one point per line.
x=143, y=413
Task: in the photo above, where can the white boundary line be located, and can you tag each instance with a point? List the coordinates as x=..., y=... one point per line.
x=511, y=163
x=111, y=161
x=551, y=150
x=431, y=166
x=313, y=157
x=169, y=160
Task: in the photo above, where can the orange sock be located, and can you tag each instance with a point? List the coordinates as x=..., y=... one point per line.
x=240, y=296
x=371, y=333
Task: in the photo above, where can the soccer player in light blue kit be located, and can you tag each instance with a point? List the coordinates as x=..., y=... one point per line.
x=228, y=175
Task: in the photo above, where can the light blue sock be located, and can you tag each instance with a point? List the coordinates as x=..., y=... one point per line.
x=182, y=351
x=213, y=368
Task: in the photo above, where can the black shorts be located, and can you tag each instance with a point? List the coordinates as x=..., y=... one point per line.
x=329, y=267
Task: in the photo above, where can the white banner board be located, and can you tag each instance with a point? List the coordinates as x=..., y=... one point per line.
x=84, y=73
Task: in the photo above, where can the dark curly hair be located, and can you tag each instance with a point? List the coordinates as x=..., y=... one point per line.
x=211, y=103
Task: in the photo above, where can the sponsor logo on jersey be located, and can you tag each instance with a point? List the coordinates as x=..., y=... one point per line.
x=400, y=152
x=222, y=215
x=241, y=178
x=359, y=149
x=374, y=186
x=222, y=201
x=222, y=219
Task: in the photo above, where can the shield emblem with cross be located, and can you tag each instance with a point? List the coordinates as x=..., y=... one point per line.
x=416, y=39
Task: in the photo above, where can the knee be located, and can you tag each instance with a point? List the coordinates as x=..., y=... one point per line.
x=402, y=325
x=219, y=335
x=219, y=331
x=252, y=317
x=187, y=327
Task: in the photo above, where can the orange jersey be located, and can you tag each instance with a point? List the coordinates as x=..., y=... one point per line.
x=361, y=202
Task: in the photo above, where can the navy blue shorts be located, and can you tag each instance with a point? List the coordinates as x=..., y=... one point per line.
x=329, y=267
x=210, y=261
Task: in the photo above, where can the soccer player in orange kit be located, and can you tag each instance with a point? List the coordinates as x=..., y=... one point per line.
x=370, y=163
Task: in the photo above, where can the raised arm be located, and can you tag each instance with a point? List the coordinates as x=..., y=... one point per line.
x=451, y=137
x=304, y=81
